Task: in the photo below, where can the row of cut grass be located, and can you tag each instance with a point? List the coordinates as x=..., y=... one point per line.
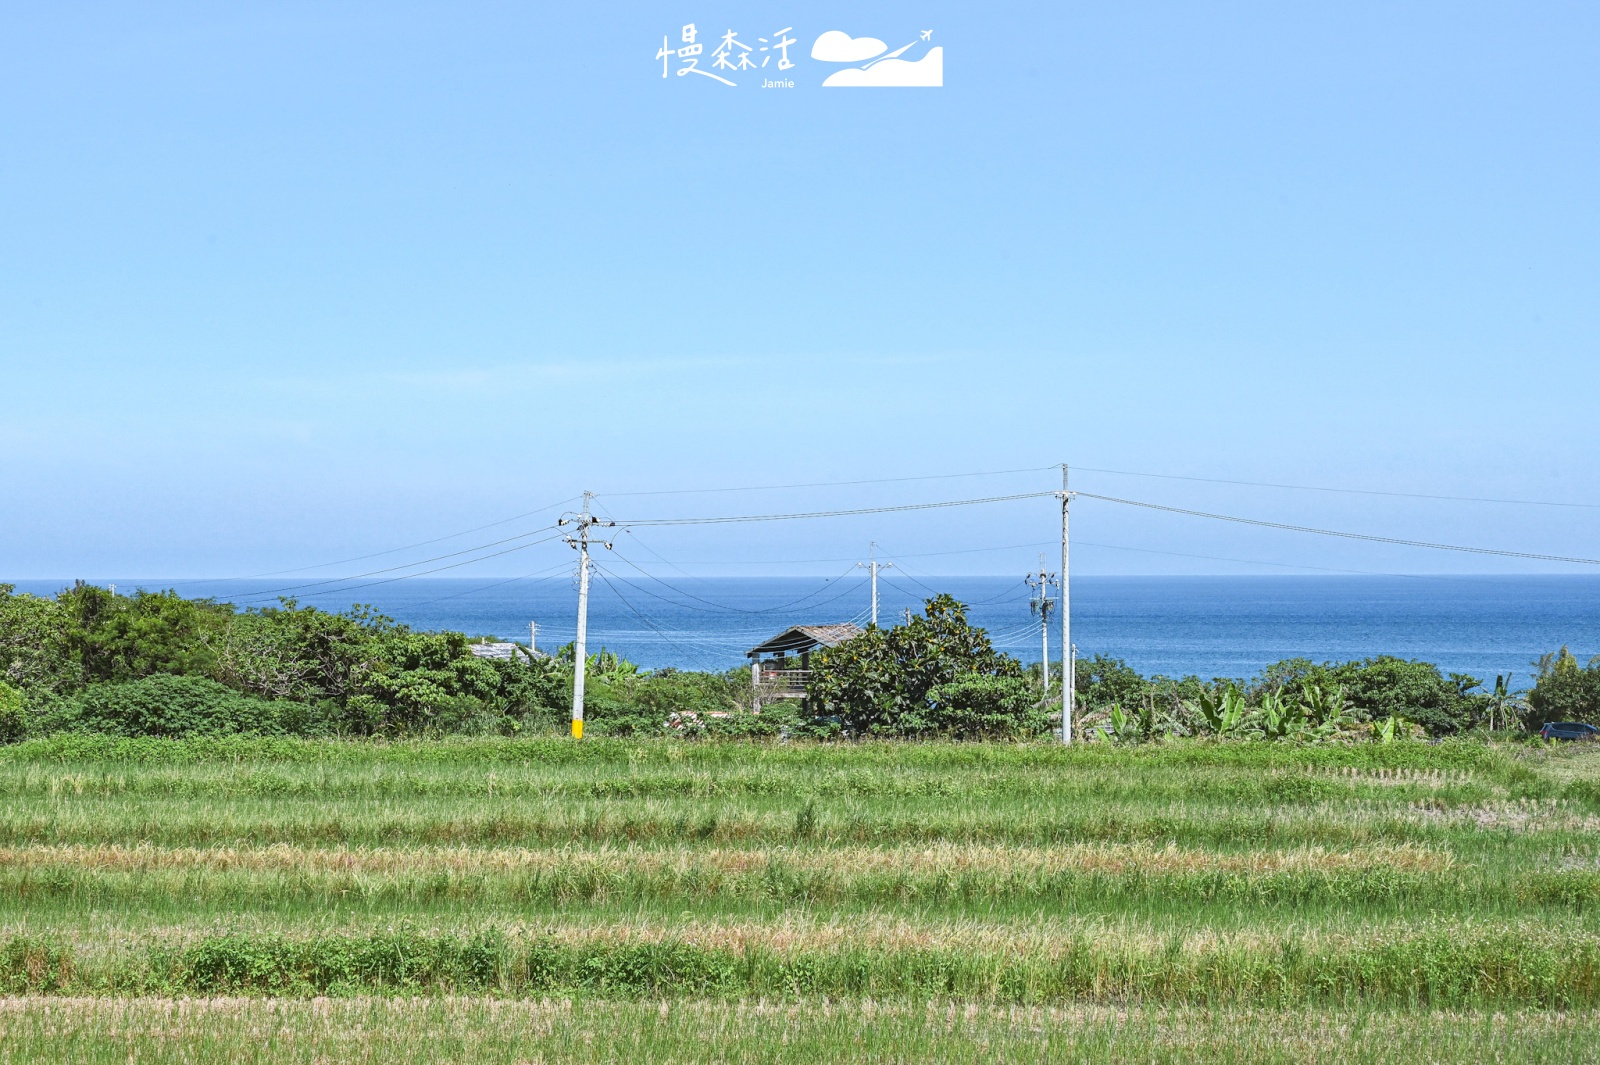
x=458, y=1031
x=1082, y=878
x=1437, y=965
x=1038, y=820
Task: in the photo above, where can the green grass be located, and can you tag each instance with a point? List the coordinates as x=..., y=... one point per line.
x=459, y=1031
x=1230, y=897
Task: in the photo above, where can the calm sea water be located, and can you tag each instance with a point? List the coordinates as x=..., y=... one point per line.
x=1211, y=626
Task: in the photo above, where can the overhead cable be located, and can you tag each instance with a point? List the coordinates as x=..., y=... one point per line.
x=390, y=551
x=835, y=513
x=828, y=484
x=1341, y=491
x=723, y=607
x=409, y=576
x=1369, y=537
x=269, y=592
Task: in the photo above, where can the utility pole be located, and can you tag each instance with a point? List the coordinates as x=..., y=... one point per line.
x=585, y=522
x=1041, y=604
x=1069, y=681
x=533, y=638
x=873, y=566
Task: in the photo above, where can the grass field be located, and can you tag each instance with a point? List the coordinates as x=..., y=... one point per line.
x=659, y=901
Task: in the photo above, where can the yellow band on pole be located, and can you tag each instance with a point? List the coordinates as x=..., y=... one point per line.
x=577, y=730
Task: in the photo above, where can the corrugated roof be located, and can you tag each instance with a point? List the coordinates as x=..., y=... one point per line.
x=806, y=637
x=504, y=651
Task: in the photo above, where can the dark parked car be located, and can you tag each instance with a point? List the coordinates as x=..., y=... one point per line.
x=1569, y=730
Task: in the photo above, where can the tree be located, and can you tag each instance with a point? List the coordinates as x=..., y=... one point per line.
x=122, y=637
x=1386, y=686
x=34, y=653
x=880, y=682
x=1564, y=690
x=166, y=706
x=1103, y=680
x=977, y=706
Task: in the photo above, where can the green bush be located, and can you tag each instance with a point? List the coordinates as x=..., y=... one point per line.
x=1105, y=681
x=872, y=682
x=13, y=720
x=973, y=707
x=163, y=705
x=1386, y=686
x=669, y=691
x=1373, y=689
x=1565, y=691
x=608, y=712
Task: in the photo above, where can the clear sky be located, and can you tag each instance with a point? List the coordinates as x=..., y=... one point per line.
x=283, y=283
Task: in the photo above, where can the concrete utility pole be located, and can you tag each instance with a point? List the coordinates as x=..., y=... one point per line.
x=873, y=566
x=1041, y=605
x=585, y=522
x=1069, y=681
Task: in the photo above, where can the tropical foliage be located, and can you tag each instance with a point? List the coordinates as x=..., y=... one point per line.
x=883, y=681
x=87, y=660
x=1565, y=690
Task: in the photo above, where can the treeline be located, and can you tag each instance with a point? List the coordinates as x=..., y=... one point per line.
x=1402, y=695
x=158, y=664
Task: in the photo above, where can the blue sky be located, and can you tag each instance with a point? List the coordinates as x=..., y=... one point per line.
x=281, y=284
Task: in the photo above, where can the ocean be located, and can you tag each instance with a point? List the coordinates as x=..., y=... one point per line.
x=1210, y=626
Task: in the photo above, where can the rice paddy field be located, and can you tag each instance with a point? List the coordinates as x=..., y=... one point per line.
x=546, y=901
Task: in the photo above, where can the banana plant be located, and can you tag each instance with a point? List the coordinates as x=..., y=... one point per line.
x=1386, y=730
x=1125, y=728
x=1278, y=718
x=1222, y=711
x=1504, y=704
x=1326, y=710
x=1322, y=705
x=610, y=667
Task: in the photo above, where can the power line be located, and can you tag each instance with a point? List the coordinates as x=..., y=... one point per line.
x=807, y=561
x=829, y=484
x=1342, y=491
x=270, y=592
x=834, y=513
x=686, y=606
x=1345, y=535
x=1263, y=562
x=390, y=551
x=409, y=576
x=699, y=656
x=497, y=584
x=721, y=607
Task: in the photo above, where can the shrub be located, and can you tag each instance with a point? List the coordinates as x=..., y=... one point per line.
x=872, y=681
x=974, y=706
x=607, y=711
x=13, y=721
x=120, y=637
x=33, y=643
x=1103, y=680
x=1386, y=686
x=166, y=706
x=1565, y=691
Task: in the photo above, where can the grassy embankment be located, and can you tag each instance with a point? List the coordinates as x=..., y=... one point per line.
x=993, y=900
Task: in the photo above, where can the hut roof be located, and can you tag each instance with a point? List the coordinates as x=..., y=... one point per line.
x=806, y=638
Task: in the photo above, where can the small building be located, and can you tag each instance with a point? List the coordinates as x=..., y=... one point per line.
x=780, y=666
x=506, y=652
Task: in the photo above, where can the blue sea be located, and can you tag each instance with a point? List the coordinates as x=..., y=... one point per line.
x=1210, y=626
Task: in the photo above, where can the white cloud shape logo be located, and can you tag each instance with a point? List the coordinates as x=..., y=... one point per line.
x=927, y=72
x=837, y=46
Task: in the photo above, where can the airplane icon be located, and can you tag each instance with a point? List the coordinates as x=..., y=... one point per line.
x=927, y=35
